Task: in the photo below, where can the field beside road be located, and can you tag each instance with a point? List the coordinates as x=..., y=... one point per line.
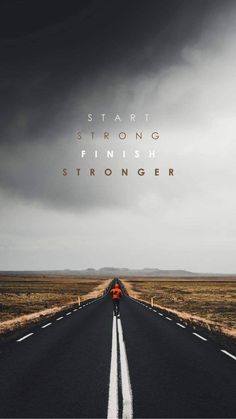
x=26, y=298
x=207, y=302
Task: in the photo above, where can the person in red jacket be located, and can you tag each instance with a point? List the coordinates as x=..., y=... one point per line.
x=116, y=295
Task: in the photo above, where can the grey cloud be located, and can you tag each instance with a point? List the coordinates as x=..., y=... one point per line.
x=185, y=222
x=42, y=68
x=183, y=100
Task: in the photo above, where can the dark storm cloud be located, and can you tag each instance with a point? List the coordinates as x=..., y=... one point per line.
x=56, y=56
x=48, y=49
x=60, y=60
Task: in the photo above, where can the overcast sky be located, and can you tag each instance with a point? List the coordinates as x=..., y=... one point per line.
x=174, y=59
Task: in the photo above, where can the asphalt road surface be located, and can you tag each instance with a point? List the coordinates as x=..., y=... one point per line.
x=86, y=363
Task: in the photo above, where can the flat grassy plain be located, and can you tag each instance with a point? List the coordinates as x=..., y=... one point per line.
x=21, y=296
x=209, y=302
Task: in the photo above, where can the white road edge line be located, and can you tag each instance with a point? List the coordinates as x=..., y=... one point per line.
x=113, y=410
x=160, y=314
x=46, y=325
x=24, y=337
x=229, y=354
x=59, y=318
x=127, y=397
x=67, y=314
x=199, y=336
x=181, y=325
x=75, y=309
x=168, y=318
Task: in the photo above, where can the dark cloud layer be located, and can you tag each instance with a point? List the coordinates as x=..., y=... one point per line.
x=62, y=59
x=50, y=48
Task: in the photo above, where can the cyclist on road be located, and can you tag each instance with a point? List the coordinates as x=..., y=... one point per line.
x=116, y=295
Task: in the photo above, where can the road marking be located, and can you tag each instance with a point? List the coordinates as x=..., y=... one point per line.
x=113, y=411
x=160, y=314
x=59, y=318
x=24, y=337
x=168, y=318
x=46, y=325
x=181, y=325
x=75, y=309
x=199, y=336
x=125, y=379
x=67, y=314
x=229, y=354
x=154, y=311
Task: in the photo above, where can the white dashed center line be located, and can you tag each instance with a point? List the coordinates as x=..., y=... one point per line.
x=68, y=313
x=168, y=318
x=59, y=318
x=199, y=336
x=24, y=337
x=160, y=314
x=46, y=325
x=75, y=309
x=229, y=354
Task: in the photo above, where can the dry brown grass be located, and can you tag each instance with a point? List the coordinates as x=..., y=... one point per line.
x=211, y=304
x=26, y=299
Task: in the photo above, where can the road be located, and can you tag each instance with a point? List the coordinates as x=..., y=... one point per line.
x=86, y=364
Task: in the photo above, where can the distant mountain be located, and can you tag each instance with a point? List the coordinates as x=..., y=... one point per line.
x=113, y=272
x=110, y=272
x=147, y=272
